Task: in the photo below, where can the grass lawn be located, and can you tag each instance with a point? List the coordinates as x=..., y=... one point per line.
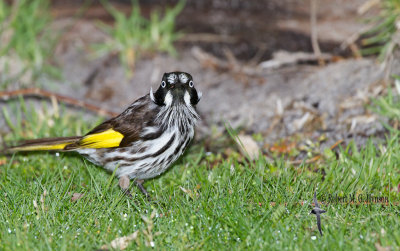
x=203, y=202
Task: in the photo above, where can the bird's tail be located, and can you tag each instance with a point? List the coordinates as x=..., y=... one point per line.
x=46, y=144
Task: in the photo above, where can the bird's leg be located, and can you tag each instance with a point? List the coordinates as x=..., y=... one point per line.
x=124, y=185
x=139, y=184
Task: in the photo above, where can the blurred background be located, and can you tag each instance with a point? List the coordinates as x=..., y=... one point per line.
x=282, y=72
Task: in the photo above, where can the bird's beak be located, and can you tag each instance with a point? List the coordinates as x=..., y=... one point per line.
x=176, y=86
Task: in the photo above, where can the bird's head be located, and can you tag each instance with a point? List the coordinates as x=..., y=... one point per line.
x=177, y=88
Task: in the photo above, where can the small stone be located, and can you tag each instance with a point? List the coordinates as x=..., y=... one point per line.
x=76, y=196
x=248, y=146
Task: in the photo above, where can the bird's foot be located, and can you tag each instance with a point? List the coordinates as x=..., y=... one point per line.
x=139, y=184
x=124, y=185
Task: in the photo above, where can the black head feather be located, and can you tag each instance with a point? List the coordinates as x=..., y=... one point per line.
x=175, y=87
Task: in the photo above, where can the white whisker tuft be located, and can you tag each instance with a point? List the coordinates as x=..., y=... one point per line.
x=187, y=98
x=168, y=99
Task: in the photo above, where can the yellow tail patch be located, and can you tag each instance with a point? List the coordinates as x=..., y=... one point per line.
x=40, y=147
x=106, y=139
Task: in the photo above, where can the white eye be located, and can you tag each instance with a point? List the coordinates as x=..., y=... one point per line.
x=191, y=84
x=163, y=84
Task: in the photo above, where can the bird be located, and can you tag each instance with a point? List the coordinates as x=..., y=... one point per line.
x=143, y=141
x=317, y=211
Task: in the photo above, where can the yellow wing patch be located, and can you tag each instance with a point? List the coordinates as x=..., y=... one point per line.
x=106, y=139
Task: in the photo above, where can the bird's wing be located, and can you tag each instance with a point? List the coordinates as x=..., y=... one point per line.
x=315, y=199
x=105, y=139
x=319, y=223
x=119, y=131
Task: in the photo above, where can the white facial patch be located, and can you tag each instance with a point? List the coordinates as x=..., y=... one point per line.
x=172, y=78
x=152, y=95
x=187, y=98
x=168, y=99
x=183, y=78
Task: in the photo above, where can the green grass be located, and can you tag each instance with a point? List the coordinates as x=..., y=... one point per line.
x=26, y=41
x=383, y=37
x=226, y=203
x=134, y=35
